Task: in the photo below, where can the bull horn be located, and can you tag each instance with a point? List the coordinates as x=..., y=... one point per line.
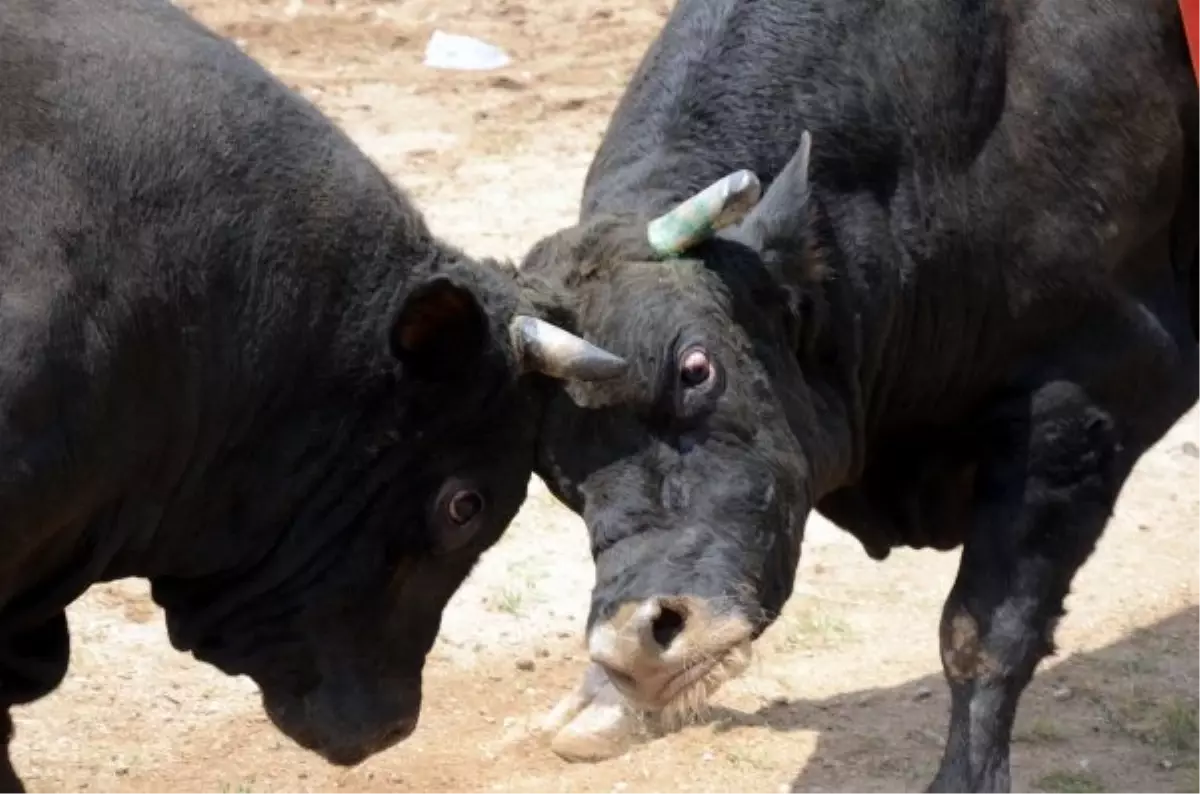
x=721, y=204
x=773, y=223
x=546, y=348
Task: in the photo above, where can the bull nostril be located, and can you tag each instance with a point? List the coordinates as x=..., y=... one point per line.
x=666, y=627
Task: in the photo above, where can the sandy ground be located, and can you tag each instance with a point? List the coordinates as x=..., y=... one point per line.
x=847, y=692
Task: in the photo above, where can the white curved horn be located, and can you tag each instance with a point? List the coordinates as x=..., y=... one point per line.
x=546, y=348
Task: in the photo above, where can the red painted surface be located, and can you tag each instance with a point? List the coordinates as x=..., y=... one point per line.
x=1191, y=12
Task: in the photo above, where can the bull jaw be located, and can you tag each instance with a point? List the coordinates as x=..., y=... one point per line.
x=291, y=719
x=597, y=721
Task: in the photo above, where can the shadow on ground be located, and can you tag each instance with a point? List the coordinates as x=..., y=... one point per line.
x=1120, y=718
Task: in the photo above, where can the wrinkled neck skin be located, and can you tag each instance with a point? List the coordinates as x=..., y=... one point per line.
x=264, y=430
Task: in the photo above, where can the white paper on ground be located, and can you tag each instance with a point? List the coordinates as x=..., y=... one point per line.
x=452, y=51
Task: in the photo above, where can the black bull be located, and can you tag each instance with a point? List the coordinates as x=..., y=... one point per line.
x=963, y=309
x=235, y=361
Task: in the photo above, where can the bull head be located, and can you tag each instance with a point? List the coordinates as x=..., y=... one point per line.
x=544, y=347
x=734, y=201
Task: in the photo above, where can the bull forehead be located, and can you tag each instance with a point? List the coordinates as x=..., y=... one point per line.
x=659, y=299
x=688, y=281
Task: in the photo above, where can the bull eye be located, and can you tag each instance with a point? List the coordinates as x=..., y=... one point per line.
x=695, y=368
x=464, y=506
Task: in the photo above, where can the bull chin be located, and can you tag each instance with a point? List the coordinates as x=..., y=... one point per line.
x=608, y=710
x=684, y=696
x=293, y=718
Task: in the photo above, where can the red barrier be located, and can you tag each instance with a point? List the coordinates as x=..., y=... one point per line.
x=1187, y=9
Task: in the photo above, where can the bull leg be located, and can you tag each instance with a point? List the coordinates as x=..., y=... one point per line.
x=1041, y=504
x=33, y=662
x=9, y=782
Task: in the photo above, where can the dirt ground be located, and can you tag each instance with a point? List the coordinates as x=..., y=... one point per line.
x=846, y=693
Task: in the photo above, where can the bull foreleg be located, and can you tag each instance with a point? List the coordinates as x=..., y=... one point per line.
x=9, y=781
x=33, y=662
x=1043, y=501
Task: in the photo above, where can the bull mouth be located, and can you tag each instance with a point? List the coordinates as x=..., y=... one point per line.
x=610, y=710
x=684, y=694
x=335, y=744
x=676, y=686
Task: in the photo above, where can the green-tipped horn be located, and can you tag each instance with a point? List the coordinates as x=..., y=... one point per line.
x=722, y=203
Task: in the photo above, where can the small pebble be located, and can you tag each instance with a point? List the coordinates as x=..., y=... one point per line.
x=525, y=665
x=510, y=721
x=923, y=693
x=1190, y=449
x=936, y=738
x=708, y=756
x=542, y=653
x=1166, y=763
x=1063, y=693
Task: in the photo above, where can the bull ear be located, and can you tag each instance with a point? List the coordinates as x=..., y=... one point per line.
x=439, y=330
x=721, y=204
x=774, y=224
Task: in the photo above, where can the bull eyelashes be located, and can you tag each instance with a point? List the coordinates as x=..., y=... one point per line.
x=544, y=347
x=734, y=199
